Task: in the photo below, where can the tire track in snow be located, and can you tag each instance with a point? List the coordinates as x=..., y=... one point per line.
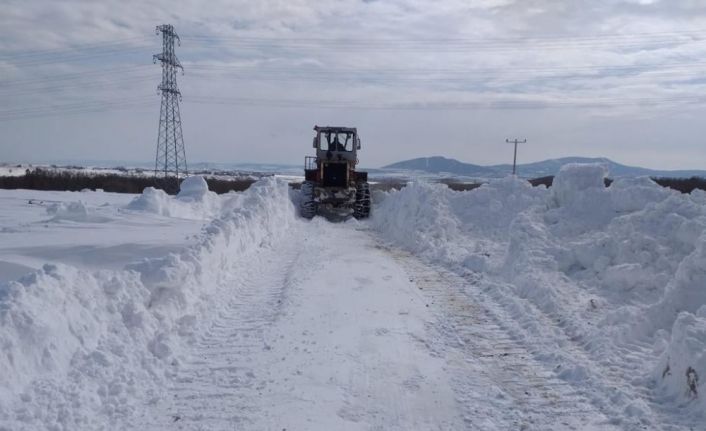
x=321, y=337
x=481, y=353
x=619, y=389
x=612, y=395
x=241, y=368
x=213, y=389
x=349, y=337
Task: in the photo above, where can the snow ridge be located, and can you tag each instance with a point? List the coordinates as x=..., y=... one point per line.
x=607, y=282
x=81, y=347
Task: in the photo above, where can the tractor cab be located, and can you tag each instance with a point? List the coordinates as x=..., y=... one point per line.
x=336, y=143
x=336, y=157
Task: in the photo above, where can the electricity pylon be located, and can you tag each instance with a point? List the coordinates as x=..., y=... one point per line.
x=170, y=162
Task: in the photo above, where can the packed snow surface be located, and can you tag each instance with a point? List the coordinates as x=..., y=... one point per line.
x=506, y=307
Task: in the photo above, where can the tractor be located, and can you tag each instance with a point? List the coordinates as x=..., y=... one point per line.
x=332, y=186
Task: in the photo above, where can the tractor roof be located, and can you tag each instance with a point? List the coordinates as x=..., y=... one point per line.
x=335, y=129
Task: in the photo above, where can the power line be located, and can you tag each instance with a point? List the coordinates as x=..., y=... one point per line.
x=70, y=76
x=396, y=74
x=460, y=71
x=72, y=86
x=74, y=108
x=447, y=106
x=388, y=77
x=369, y=77
x=504, y=39
x=77, y=56
x=354, y=71
x=130, y=45
x=145, y=101
x=457, y=44
x=128, y=42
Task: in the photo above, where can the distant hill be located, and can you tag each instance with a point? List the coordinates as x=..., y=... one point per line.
x=443, y=165
x=438, y=165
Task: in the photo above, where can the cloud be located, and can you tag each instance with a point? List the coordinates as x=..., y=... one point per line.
x=545, y=60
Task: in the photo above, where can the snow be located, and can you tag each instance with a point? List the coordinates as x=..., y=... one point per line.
x=77, y=342
x=466, y=228
x=600, y=278
x=194, y=201
x=222, y=171
x=7, y=170
x=508, y=306
x=305, y=341
x=193, y=188
x=38, y=227
x=683, y=361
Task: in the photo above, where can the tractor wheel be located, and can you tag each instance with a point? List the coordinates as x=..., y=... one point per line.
x=361, y=209
x=307, y=205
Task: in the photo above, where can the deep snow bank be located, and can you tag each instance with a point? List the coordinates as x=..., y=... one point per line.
x=194, y=201
x=461, y=228
x=614, y=266
x=80, y=348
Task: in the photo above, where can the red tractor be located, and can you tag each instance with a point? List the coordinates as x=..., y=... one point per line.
x=332, y=186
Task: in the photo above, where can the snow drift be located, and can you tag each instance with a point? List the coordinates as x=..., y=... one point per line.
x=194, y=201
x=74, y=211
x=80, y=346
x=608, y=283
x=605, y=269
x=458, y=228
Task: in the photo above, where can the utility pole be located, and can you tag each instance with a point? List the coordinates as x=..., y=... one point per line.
x=170, y=162
x=514, y=159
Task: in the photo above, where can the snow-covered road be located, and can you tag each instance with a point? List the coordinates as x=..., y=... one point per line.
x=326, y=332
x=507, y=307
x=332, y=330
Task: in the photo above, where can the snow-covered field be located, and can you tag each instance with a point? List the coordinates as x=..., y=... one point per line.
x=505, y=307
x=232, y=172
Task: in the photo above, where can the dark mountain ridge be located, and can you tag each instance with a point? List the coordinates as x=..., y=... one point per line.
x=443, y=165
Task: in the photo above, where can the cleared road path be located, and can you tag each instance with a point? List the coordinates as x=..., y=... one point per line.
x=331, y=330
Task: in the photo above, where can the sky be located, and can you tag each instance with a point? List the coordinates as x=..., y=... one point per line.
x=623, y=79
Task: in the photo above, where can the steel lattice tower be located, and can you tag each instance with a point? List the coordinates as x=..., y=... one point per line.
x=170, y=162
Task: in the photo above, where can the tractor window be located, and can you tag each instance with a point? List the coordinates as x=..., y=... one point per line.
x=336, y=141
